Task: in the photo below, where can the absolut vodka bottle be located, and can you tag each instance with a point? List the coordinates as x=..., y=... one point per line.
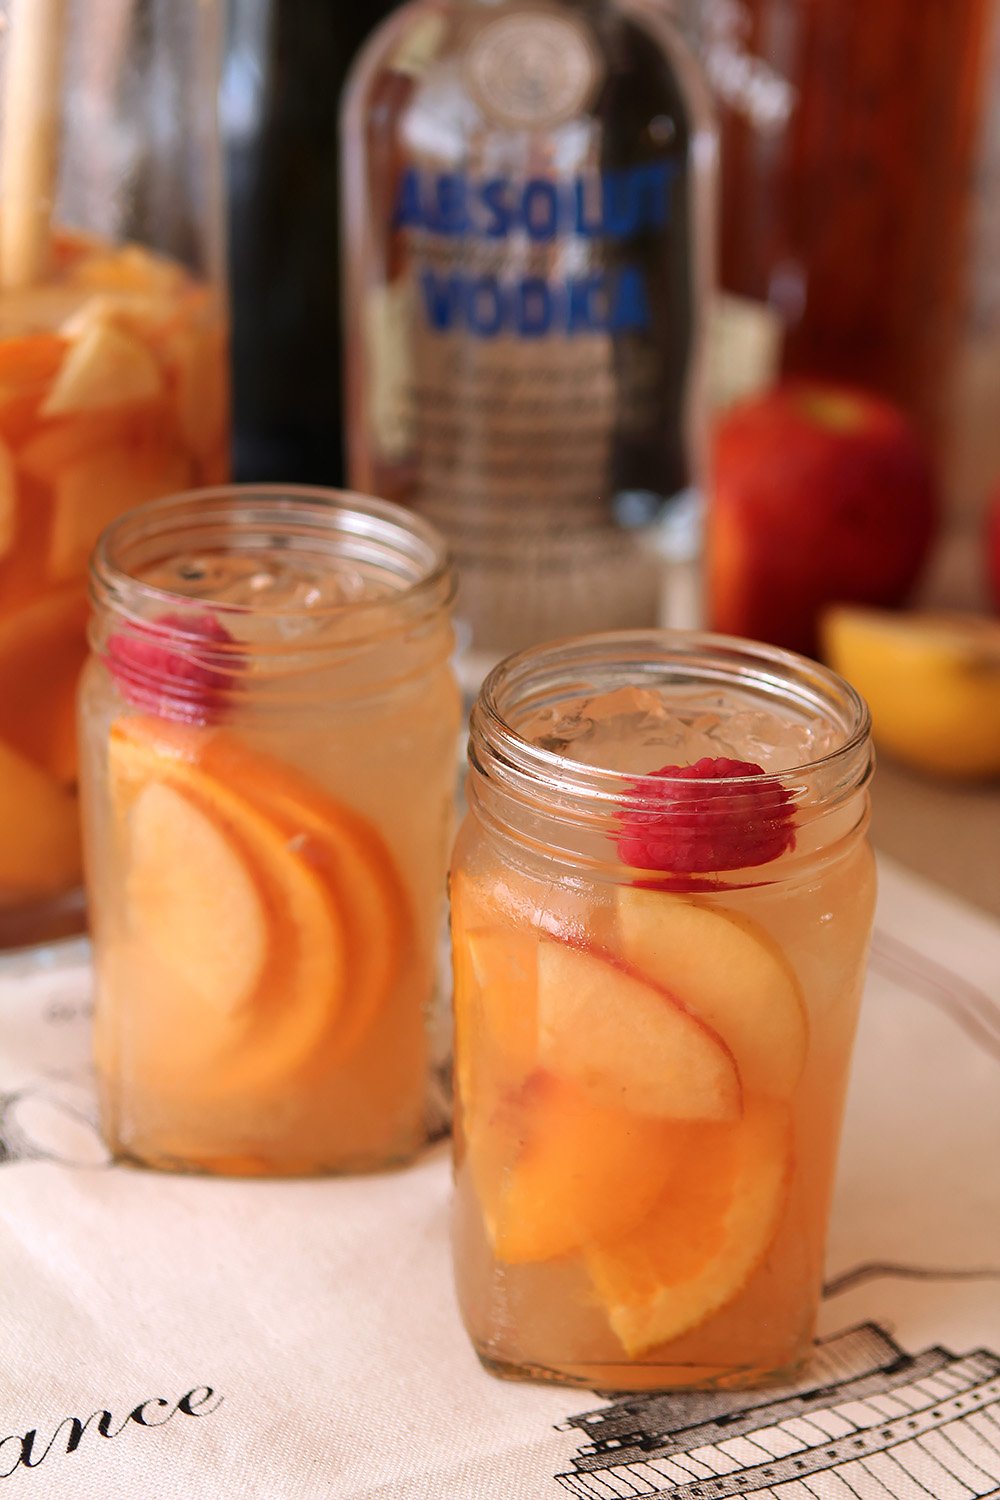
x=528, y=220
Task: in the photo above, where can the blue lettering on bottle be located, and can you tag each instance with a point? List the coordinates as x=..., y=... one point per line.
x=495, y=196
x=540, y=209
x=535, y=307
x=613, y=206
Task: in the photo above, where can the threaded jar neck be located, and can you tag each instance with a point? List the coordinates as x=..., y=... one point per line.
x=218, y=570
x=540, y=795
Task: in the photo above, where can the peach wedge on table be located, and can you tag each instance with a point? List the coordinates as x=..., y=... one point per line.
x=727, y=972
x=628, y=1041
x=705, y=1237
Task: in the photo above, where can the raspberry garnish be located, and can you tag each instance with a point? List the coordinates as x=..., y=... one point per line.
x=162, y=666
x=701, y=823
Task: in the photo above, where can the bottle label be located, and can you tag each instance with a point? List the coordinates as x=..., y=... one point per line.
x=532, y=68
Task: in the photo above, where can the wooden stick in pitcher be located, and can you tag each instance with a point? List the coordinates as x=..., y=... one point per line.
x=29, y=143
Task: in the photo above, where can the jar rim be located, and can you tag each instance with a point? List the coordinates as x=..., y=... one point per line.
x=368, y=529
x=497, y=749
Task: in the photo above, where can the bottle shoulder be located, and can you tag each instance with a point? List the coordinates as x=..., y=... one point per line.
x=524, y=68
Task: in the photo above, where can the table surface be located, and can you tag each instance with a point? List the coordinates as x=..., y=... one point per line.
x=946, y=832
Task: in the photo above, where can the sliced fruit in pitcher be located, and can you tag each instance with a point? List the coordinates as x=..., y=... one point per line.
x=554, y=1171
x=104, y=367
x=629, y=1042
x=40, y=843
x=705, y=1237
x=728, y=972
x=40, y=723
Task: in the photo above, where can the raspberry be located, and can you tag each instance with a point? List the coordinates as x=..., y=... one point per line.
x=702, y=823
x=161, y=666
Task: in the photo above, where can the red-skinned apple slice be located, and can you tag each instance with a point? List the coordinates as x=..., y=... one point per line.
x=628, y=1042
x=729, y=973
x=708, y=1233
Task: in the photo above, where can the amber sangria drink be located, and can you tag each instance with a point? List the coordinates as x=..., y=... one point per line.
x=661, y=905
x=113, y=369
x=268, y=725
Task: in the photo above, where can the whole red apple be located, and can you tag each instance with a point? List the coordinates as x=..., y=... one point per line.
x=821, y=494
x=993, y=548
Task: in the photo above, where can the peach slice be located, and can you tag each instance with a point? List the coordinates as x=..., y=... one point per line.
x=105, y=367
x=303, y=988
x=177, y=854
x=554, y=1171
x=37, y=718
x=504, y=969
x=40, y=847
x=710, y=1230
x=628, y=1042
x=728, y=972
x=329, y=842
x=132, y=268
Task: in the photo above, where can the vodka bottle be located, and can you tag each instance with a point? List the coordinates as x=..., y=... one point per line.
x=528, y=215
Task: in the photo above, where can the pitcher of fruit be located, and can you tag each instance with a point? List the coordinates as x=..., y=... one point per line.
x=113, y=364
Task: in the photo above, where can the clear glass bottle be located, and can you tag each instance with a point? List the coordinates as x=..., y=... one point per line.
x=528, y=220
x=113, y=364
x=662, y=897
x=268, y=729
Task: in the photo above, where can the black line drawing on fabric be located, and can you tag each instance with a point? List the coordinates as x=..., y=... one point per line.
x=867, y=1421
x=36, y=1125
x=877, y=1270
x=968, y=1006
x=48, y=1112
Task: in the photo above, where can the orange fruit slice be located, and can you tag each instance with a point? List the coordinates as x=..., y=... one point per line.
x=250, y=932
x=330, y=843
x=554, y=1171
x=707, y=1234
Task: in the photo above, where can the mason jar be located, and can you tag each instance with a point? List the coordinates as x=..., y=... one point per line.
x=268, y=728
x=113, y=364
x=662, y=896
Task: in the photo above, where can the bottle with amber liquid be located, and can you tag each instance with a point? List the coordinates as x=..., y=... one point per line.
x=528, y=218
x=847, y=139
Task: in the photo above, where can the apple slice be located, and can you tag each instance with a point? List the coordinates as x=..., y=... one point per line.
x=707, y=1234
x=177, y=855
x=629, y=1043
x=105, y=367
x=729, y=973
x=554, y=1171
x=504, y=965
x=330, y=844
x=302, y=989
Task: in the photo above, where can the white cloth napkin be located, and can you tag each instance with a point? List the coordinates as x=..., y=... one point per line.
x=300, y=1339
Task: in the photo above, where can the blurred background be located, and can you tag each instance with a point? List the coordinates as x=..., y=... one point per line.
x=859, y=247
